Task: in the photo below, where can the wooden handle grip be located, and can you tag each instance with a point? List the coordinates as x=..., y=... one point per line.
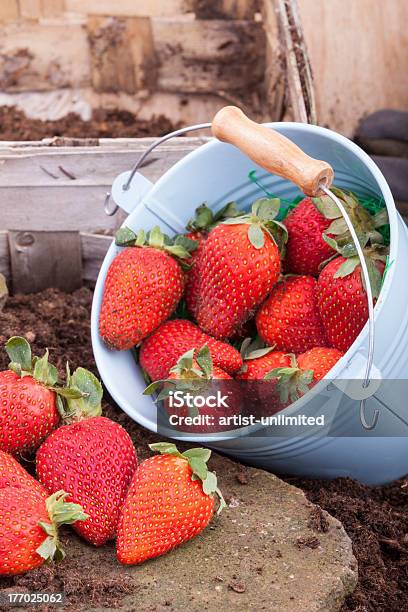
x=272, y=151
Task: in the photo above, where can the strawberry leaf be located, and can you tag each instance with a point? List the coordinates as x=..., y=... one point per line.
x=347, y=267
x=165, y=448
x=327, y=207
x=256, y=236
x=203, y=358
x=125, y=237
x=202, y=453
x=19, y=352
x=156, y=238
x=266, y=209
x=44, y=371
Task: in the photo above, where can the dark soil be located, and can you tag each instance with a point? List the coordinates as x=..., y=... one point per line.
x=15, y=125
x=375, y=518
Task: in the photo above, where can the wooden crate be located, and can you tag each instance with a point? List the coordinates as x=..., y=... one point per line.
x=53, y=228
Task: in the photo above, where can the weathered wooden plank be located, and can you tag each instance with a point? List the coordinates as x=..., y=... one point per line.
x=122, y=51
x=4, y=255
x=130, y=8
x=209, y=56
x=9, y=10
x=226, y=9
x=358, y=55
x=94, y=248
x=52, y=8
x=43, y=57
x=38, y=201
x=30, y=9
x=45, y=259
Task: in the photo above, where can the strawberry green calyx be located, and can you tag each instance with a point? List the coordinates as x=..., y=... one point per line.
x=254, y=348
x=206, y=220
x=60, y=513
x=179, y=247
x=293, y=382
x=262, y=218
x=372, y=255
x=193, y=369
x=366, y=225
x=197, y=459
x=80, y=396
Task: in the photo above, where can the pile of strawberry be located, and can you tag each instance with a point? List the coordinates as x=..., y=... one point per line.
x=88, y=473
x=295, y=287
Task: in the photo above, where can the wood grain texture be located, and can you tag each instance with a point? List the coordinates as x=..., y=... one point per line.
x=359, y=58
x=194, y=55
x=38, y=57
x=9, y=10
x=93, y=248
x=45, y=259
x=31, y=180
x=4, y=255
x=52, y=8
x=130, y=8
x=123, y=56
x=225, y=9
x=30, y=9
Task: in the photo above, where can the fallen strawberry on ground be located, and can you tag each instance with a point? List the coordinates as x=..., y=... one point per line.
x=29, y=528
x=197, y=380
x=12, y=474
x=289, y=319
x=170, y=501
x=92, y=458
x=160, y=351
x=31, y=398
x=143, y=286
x=237, y=267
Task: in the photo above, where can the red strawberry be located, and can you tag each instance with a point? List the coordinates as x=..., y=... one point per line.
x=203, y=222
x=94, y=461
x=12, y=474
x=319, y=359
x=29, y=528
x=306, y=249
x=195, y=377
x=172, y=339
x=31, y=398
x=237, y=266
x=170, y=501
x=261, y=398
x=342, y=299
x=142, y=288
x=289, y=319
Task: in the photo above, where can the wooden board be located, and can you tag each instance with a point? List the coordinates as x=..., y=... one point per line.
x=123, y=56
x=4, y=255
x=37, y=57
x=129, y=8
x=358, y=50
x=9, y=10
x=40, y=196
x=45, y=259
x=209, y=56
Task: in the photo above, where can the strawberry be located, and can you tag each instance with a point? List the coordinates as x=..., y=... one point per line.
x=289, y=319
x=161, y=350
x=342, y=299
x=237, y=267
x=94, y=461
x=170, y=501
x=142, y=287
x=12, y=474
x=203, y=222
x=261, y=397
x=29, y=528
x=320, y=360
x=306, y=249
x=31, y=398
x=195, y=376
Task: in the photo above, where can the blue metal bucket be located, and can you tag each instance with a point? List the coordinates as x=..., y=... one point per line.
x=217, y=173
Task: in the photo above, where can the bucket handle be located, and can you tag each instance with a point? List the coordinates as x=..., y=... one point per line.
x=280, y=156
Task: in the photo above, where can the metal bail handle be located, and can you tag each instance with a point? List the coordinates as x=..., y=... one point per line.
x=280, y=156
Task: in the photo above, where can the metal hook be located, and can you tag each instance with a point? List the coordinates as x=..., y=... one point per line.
x=109, y=211
x=363, y=419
